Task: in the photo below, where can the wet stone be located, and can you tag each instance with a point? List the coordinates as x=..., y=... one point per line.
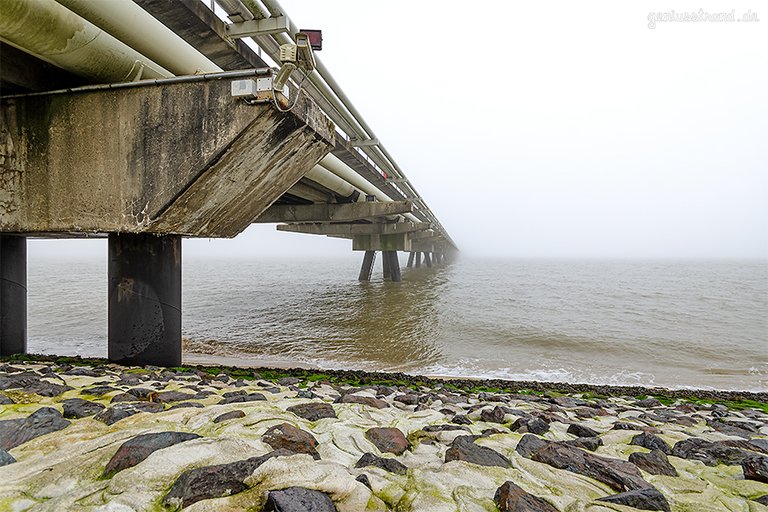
x=363, y=479
x=387, y=464
x=187, y=405
x=307, y=394
x=363, y=400
x=464, y=448
x=495, y=415
x=118, y=412
x=6, y=458
x=136, y=450
x=617, y=474
x=4, y=400
x=298, y=499
x=252, y=397
x=755, y=467
x=648, y=403
x=215, y=481
x=231, y=415
x=43, y=421
x=587, y=443
x=98, y=390
x=287, y=437
x=165, y=397
x=532, y=425
x=407, y=399
x=581, y=431
x=511, y=498
x=288, y=381
x=710, y=453
x=642, y=499
x=142, y=393
x=388, y=439
x=313, y=411
x=650, y=441
x=460, y=419
x=763, y=500
x=655, y=462
x=83, y=371
x=79, y=408
x=123, y=397
x=530, y=444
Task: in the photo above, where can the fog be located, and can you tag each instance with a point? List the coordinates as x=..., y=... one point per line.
x=573, y=130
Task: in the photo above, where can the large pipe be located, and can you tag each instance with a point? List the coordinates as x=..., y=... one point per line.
x=55, y=34
x=144, y=33
x=332, y=182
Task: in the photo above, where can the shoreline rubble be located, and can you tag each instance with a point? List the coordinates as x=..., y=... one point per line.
x=84, y=434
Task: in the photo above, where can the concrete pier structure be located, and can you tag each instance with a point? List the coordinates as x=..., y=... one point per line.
x=13, y=294
x=144, y=276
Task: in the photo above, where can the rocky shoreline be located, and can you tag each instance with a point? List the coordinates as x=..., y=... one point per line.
x=87, y=435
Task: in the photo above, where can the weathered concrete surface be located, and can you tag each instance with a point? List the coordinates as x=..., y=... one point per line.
x=174, y=159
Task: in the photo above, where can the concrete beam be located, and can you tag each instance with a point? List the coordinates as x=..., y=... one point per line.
x=333, y=212
x=354, y=229
x=183, y=158
x=275, y=25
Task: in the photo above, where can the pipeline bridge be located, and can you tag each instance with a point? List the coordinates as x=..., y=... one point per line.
x=146, y=121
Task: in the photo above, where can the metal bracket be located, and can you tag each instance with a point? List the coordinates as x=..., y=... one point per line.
x=274, y=25
x=363, y=143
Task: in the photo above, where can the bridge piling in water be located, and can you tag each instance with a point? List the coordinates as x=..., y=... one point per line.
x=410, y=259
x=394, y=266
x=418, y=259
x=367, y=269
x=427, y=260
x=13, y=294
x=144, y=285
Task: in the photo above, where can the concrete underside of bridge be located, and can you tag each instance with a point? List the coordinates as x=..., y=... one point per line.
x=145, y=165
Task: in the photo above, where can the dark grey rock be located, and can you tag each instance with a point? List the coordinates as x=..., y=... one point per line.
x=287, y=437
x=84, y=371
x=135, y=450
x=388, y=439
x=79, y=408
x=363, y=479
x=239, y=392
x=118, y=412
x=252, y=397
x=511, y=498
x=98, y=390
x=588, y=443
x=445, y=428
x=763, y=500
x=464, y=448
x=4, y=400
x=288, y=381
x=298, y=499
x=6, y=458
x=313, y=411
x=495, y=415
x=617, y=474
x=231, y=415
x=306, y=393
x=123, y=397
x=142, y=393
x=710, y=453
x=387, y=464
x=187, y=405
x=165, y=397
x=647, y=403
x=655, y=462
x=530, y=425
x=755, y=468
x=215, y=481
x=642, y=499
x=581, y=431
x=364, y=400
x=43, y=421
x=407, y=399
x=530, y=444
x=460, y=419
x=31, y=383
x=650, y=441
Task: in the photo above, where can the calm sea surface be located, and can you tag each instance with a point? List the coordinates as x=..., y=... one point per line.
x=678, y=324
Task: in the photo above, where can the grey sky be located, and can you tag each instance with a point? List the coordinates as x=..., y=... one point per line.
x=572, y=130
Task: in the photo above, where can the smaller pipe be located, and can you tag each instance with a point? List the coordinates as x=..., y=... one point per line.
x=147, y=83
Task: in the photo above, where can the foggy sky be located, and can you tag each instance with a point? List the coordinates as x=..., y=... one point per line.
x=568, y=131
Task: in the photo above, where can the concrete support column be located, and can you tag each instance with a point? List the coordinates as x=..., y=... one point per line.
x=385, y=261
x=427, y=260
x=418, y=259
x=144, y=299
x=367, y=269
x=394, y=266
x=13, y=295
x=410, y=259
